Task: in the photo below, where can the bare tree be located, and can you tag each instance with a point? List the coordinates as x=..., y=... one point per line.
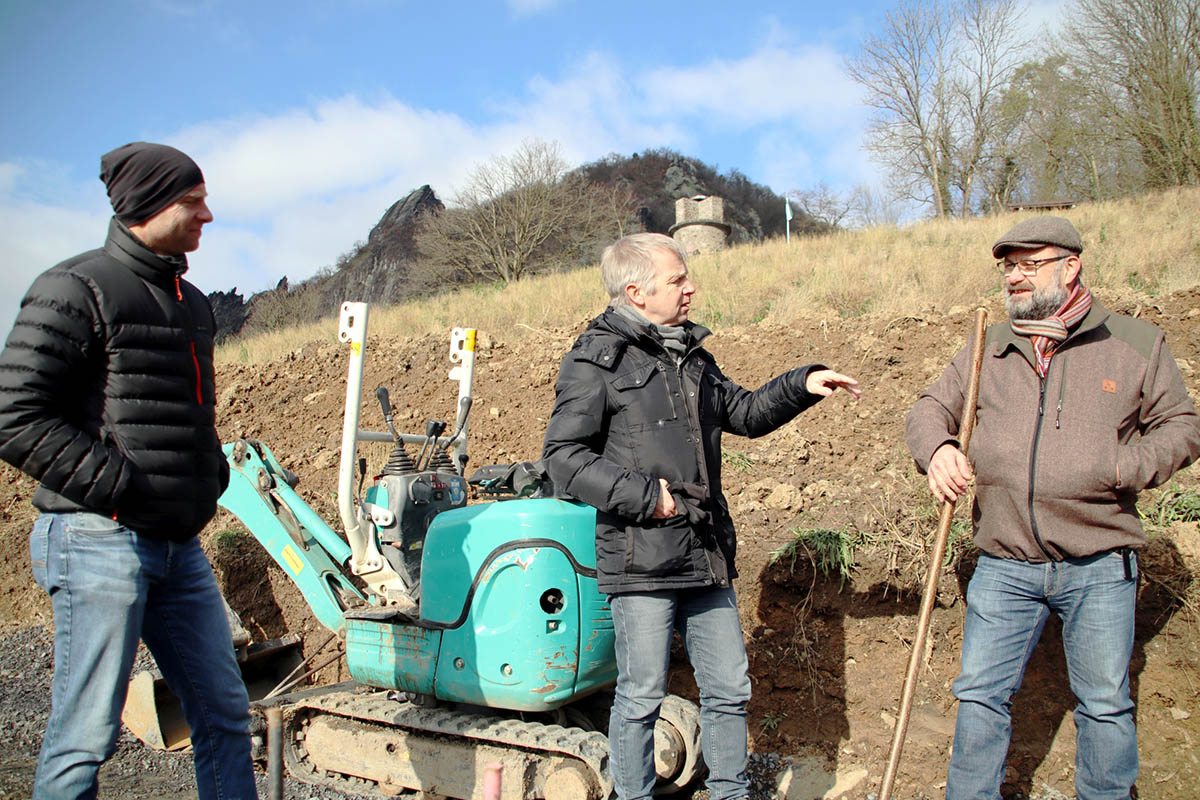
x=870, y=208
x=522, y=213
x=935, y=77
x=905, y=73
x=821, y=205
x=987, y=56
x=1138, y=62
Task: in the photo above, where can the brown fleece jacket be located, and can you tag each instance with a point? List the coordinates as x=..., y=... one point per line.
x=1058, y=463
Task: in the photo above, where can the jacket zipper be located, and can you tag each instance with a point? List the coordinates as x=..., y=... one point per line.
x=663, y=371
x=698, y=443
x=1062, y=391
x=192, y=345
x=1033, y=451
x=196, y=366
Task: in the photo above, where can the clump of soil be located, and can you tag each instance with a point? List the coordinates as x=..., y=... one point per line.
x=828, y=652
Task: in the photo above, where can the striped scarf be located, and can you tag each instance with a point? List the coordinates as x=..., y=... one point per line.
x=1047, y=334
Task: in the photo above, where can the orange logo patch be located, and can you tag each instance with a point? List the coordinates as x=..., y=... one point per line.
x=1108, y=386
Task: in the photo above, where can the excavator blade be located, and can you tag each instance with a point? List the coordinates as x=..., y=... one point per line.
x=154, y=714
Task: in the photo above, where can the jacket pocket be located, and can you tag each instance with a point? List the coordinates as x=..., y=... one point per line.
x=1079, y=462
x=645, y=395
x=39, y=551
x=659, y=550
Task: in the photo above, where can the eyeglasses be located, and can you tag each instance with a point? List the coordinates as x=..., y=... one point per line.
x=1029, y=266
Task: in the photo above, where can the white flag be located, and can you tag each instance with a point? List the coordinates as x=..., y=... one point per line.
x=787, y=210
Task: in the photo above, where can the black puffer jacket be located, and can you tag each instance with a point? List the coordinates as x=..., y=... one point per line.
x=626, y=415
x=106, y=391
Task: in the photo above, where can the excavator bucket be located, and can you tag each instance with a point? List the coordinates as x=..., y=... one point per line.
x=154, y=714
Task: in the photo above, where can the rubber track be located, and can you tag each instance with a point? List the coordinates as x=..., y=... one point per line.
x=589, y=747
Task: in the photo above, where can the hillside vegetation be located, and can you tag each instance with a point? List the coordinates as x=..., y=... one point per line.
x=1149, y=245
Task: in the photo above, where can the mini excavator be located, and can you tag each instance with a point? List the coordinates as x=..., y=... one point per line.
x=474, y=633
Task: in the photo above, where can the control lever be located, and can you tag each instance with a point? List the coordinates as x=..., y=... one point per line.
x=433, y=429
x=382, y=395
x=465, y=404
x=362, y=478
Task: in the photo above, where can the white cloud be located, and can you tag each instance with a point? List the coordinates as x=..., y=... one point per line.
x=593, y=110
x=258, y=165
x=37, y=232
x=806, y=85
x=296, y=242
x=290, y=193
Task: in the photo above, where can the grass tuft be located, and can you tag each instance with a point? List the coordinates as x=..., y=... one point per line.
x=1170, y=505
x=830, y=551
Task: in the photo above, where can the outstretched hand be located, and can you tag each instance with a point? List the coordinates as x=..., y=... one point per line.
x=825, y=382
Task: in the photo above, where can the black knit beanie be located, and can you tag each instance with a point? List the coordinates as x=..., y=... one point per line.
x=144, y=178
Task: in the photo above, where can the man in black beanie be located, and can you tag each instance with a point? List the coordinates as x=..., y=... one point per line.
x=106, y=399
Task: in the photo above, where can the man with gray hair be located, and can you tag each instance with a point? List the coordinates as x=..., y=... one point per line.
x=1079, y=409
x=636, y=433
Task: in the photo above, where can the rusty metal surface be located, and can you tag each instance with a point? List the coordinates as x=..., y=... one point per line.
x=682, y=754
x=375, y=745
x=398, y=759
x=154, y=714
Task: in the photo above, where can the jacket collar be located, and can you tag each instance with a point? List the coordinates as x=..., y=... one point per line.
x=126, y=248
x=609, y=334
x=643, y=333
x=1002, y=333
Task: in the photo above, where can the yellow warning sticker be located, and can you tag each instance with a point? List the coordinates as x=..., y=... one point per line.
x=355, y=348
x=293, y=560
x=470, y=344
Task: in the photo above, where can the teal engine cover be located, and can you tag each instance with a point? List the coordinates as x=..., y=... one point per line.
x=510, y=603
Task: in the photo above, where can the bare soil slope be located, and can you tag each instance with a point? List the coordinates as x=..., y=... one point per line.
x=827, y=656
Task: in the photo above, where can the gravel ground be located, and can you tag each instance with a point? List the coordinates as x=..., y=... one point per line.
x=136, y=772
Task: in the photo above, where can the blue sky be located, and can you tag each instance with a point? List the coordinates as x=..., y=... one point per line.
x=310, y=118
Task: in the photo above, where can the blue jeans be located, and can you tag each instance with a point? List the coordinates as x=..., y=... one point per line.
x=1008, y=602
x=708, y=621
x=108, y=586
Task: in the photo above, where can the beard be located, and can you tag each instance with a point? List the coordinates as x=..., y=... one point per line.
x=1040, y=303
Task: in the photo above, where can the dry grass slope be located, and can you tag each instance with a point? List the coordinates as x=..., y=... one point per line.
x=1150, y=244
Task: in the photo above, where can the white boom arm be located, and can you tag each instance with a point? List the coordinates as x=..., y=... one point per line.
x=366, y=560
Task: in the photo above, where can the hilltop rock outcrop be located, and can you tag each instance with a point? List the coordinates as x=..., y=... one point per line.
x=374, y=271
x=379, y=271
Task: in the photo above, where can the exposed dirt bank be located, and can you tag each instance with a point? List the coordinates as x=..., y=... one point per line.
x=827, y=658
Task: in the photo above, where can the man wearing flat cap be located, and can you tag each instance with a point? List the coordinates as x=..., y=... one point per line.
x=1079, y=409
x=106, y=399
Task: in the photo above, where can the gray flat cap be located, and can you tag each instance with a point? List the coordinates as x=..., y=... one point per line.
x=1038, y=232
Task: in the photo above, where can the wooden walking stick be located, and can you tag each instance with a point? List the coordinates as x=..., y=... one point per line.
x=935, y=565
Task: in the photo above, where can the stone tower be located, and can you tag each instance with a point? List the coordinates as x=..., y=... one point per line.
x=700, y=224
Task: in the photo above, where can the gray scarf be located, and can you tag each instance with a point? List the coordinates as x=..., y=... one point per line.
x=673, y=337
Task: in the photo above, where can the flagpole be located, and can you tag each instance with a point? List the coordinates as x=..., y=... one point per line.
x=787, y=221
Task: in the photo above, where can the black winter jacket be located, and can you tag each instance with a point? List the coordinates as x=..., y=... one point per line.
x=625, y=415
x=106, y=391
